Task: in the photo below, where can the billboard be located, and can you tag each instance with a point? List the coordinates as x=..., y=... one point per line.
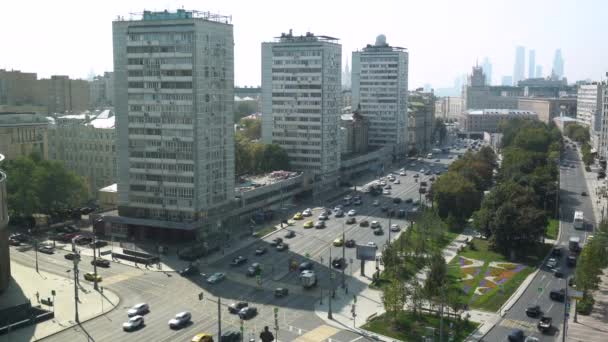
x=367, y=253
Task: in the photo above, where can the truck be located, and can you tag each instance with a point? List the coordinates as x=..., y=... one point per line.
x=544, y=325
x=308, y=279
x=574, y=244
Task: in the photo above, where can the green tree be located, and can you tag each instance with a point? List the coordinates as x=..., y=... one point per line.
x=251, y=128
x=244, y=108
x=577, y=133
x=394, y=298
x=455, y=195
x=436, y=276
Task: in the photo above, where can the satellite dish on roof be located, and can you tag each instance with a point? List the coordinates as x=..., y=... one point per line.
x=380, y=40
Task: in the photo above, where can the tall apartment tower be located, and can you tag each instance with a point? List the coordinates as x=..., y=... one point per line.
x=301, y=99
x=558, y=65
x=174, y=98
x=520, y=64
x=539, y=71
x=531, y=63
x=379, y=86
x=487, y=70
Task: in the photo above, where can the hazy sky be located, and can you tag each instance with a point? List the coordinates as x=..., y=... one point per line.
x=444, y=38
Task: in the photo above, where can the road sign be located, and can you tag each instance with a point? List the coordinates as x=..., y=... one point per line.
x=276, y=318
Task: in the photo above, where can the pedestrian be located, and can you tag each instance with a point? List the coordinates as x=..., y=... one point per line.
x=266, y=335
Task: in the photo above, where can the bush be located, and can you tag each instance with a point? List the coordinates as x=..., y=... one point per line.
x=585, y=305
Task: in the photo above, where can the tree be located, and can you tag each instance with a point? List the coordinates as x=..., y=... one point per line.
x=251, y=128
x=255, y=157
x=455, y=195
x=577, y=133
x=394, y=298
x=244, y=108
x=436, y=276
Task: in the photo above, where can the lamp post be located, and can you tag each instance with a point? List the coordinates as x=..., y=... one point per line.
x=331, y=287
x=343, y=256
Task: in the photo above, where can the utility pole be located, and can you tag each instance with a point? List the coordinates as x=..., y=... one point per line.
x=219, y=318
x=95, y=286
x=389, y=225
x=566, y=305
x=76, y=260
x=31, y=232
x=441, y=316
x=331, y=287
x=343, y=257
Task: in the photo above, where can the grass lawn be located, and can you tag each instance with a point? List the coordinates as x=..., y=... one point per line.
x=494, y=296
x=552, y=229
x=264, y=231
x=411, y=328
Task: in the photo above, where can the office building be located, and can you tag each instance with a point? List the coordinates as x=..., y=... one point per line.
x=558, y=65
x=589, y=110
x=5, y=262
x=475, y=93
x=487, y=70
x=532, y=64
x=421, y=111
x=102, y=90
x=520, y=64
x=506, y=81
x=539, y=71
x=301, y=102
x=354, y=127
x=22, y=134
x=174, y=99
x=603, y=145
x=549, y=108
x=448, y=107
x=379, y=87
x=66, y=95
x=488, y=120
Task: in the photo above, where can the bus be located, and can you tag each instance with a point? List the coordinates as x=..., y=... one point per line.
x=578, y=220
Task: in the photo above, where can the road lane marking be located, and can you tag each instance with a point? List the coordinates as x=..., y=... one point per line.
x=321, y=333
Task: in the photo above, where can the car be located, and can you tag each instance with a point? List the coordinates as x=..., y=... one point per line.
x=386, y=192
x=350, y=243
x=202, y=337
x=551, y=263
x=71, y=256
x=584, y=193
x=383, y=183
x=308, y=224
x=556, y=252
x=133, y=323
x=254, y=269
x=395, y=228
x=261, y=250
x=282, y=247
x=234, y=308
x=531, y=339
x=298, y=216
x=83, y=240
x=100, y=262
x=388, y=187
x=305, y=266
x=276, y=241
x=248, y=312
x=229, y=336
x=516, y=335
x=290, y=234
x=46, y=249
x=376, y=203
x=138, y=310
x=571, y=260
x=432, y=178
x=416, y=175
x=545, y=324
x=384, y=209
x=238, y=261
x=216, y=278
x=372, y=244
x=90, y=276
x=281, y=292
x=352, y=212
x=338, y=242
x=558, y=295
x=98, y=244
x=533, y=311
x=437, y=160
x=319, y=225
x=351, y=220
x=357, y=201
x=378, y=231
x=339, y=213
x=409, y=200
x=323, y=217
x=180, y=320
x=364, y=223
x=375, y=224
x=558, y=273
x=421, y=170
x=397, y=200
x=14, y=242
x=402, y=173
x=423, y=183
x=307, y=212
x=338, y=262
x=427, y=173
x=401, y=213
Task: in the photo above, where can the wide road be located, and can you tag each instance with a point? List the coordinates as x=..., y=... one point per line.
x=169, y=293
x=571, y=186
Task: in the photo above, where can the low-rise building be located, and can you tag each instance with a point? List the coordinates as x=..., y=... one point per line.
x=421, y=112
x=355, y=129
x=107, y=197
x=22, y=134
x=549, y=108
x=448, y=107
x=488, y=120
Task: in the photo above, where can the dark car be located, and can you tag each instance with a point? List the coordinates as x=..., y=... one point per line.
x=409, y=200
x=306, y=265
x=556, y=252
x=558, y=295
x=19, y=237
x=364, y=223
x=189, y=271
x=571, y=260
x=231, y=336
x=254, y=269
x=423, y=183
x=46, y=249
x=397, y=200
x=276, y=241
x=351, y=220
x=584, y=193
x=71, y=256
x=282, y=247
x=248, y=312
x=98, y=244
x=349, y=243
x=378, y=231
x=100, y=262
x=234, y=308
x=516, y=336
x=401, y=213
x=290, y=234
x=558, y=273
x=83, y=240
x=280, y=292
x=238, y=261
x=384, y=208
x=533, y=311
x=261, y=250
x=14, y=242
x=338, y=263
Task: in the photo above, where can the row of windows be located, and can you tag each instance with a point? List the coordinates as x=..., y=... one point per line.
x=158, y=72
x=166, y=191
x=183, y=48
x=158, y=61
x=163, y=178
x=378, y=65
x=297, y=79
x=298, y=111
x=297, y=118
x=296, y=94
x=175, y=167
x=164, y=132
x=296, y=70
x=305, y=62
x=161, y=108
x=297, y=103
x=161, y=85
x=378, y=59
x=304, y=160
x=162, y=37
x=165, y=119
x=295, y=86
x=302, y=53
x=170, y=97
x=161, y=155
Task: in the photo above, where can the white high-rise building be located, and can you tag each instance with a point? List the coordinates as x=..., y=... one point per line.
x=301, y=99
x=589, y=110
x=174, y=97
x=520, y=64
x=379, y=86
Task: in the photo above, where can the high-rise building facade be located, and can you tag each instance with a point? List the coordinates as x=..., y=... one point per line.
x=531, y=64
x=301, y=99
x=487, y=70
x=558, y=65
x=603, y=145
x=539, y=71
x=520, y=64
x=174, y=99
x=346, y=84
x=379, y=86
x=589, y=110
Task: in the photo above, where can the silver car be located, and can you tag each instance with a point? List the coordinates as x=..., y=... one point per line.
x=133, y=323
x=180, y=320
x=216, y=278
x=138, y=309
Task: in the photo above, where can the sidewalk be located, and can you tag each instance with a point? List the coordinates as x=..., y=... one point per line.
x=26, y=283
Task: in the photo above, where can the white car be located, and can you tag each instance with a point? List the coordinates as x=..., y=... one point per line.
x=352, y=212
x=372, y=244
x=138, y=309
x=376, y=203
x=551, y=263
x=397, y=181
x=375, y=224
x=180, y=320
x=323, y=217
x=338, y=208
x=216, y=278
x=402, y=173
x=386, y=192
x=421, y=170
x=395, y=228
x=307, y=212
x=133, y=323
x=383, y=183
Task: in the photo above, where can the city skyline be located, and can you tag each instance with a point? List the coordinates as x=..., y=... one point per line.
x=93, y=52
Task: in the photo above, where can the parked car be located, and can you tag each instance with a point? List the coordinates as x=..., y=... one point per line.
x=351, y=220
x=533, y=311
x=248, y=312
x=100, y=262
x=133, y=323
x=180, y=320
x=19, y=237
x=280, y=292
x=138, y=310
x=323, y=217
x=364, y=223
x=98, y=244
x=238, y=261
x=261, y=250
x=83, y=240
x=216, y=278
x=409, y=200
x=234, y=308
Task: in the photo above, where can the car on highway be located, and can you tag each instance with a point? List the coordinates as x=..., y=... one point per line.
x=14, y=242
x=307, y=212
x=339, y=207
x=338, y=262
x=298, y=216
x=545, y=324
x=557, y=252
x=254, y=269
x=378, y=231
x=364, y=223
x=203, y=337
x=558, y=273
x=558, y=295
x=180, y=320
x=384, y=209
x=319, y=225
x=388, y=187
x=339, y=213
x=402, y=173
x=100, y=262
x=421, y=170
x=396, y=181
x=261, y=250
x=83, y=240
x=584, y=193
x=229, y=336
x=351, y=220
x=416, y=175
x=71, y=256
x=551, y=263
x=46, y=249
x=234, y=308
x=427, y=173
x=281, y=292
x=423, y=183
x=248, y=312
x=571, y=260
x=323, y=217
x=376, y=203
x=133, y=323
x=275, y=242
x=216, y=278
x=350, y=243
x=238, y=261
x=290, y=234
x=338, y=242
x=306, y=265
x=375, y=224
x=516, y=335
x=352, y=212
x=437, y=160
x=409, y=200
x=90, y=276
x=309, y=224
x=533, y=311
x=282, y=247
x=138, y=310
x=395, y=227
x=397, y=200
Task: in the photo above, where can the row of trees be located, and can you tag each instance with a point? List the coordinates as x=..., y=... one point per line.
x=41, y=186
x=578, y=133
x=254, y=157
x=592, y=260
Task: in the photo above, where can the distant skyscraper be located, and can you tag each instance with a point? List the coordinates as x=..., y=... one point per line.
x=531, y=64
x=520, y=63
x=346, y=76
x=507, y=81
x=487, y=70
x=558, y=64
x=539, y=71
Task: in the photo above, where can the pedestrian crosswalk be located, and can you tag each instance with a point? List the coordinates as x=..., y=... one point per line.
x=321, y=333
x=517, y=324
